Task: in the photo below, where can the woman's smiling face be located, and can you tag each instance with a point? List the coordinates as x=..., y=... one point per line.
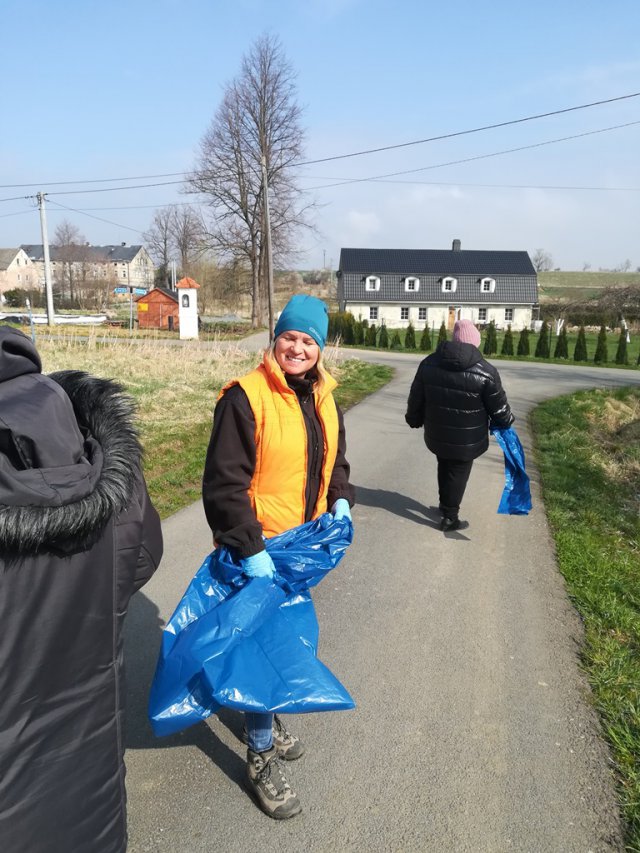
x=296, y=352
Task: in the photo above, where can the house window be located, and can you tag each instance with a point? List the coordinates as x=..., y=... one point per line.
x=372, y=283
x=124, y=273
x=422, y=313
x=487, y=285
x=482, y=315
x=404, y=313
x=411, y=284
x=373, y=312
x=508, y=315
x=449, y=284
x=19, y=277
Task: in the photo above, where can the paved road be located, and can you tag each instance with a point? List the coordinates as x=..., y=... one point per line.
x=473, y=729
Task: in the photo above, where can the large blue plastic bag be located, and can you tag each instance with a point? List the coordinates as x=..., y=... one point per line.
x=516, y=495
x=250, y=643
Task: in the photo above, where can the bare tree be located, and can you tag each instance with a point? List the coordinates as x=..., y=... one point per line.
x=622, y=303
x=188, y=233
x=258, y=118
x=542, y=261
x=71, y=254
x=176, y=231
x=158, y=240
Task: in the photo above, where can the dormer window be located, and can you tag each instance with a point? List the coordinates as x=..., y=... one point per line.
x=487, y=285
x=372, y=282
x=449, y=284
x=411, y=284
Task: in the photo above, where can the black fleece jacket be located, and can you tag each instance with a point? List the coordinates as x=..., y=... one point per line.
x=231, y=460
x=455, y=395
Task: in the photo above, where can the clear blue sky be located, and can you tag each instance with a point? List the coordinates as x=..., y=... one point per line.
x=123, y=89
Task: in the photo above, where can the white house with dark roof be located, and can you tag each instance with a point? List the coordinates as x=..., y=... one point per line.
x=433, y=286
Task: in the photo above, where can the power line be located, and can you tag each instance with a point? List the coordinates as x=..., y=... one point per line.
x=472, y=130
x=99, y=218
x=337, y=156
x=476, y=157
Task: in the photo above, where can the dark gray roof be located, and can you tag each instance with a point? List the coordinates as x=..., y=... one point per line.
x=97, y=254
x=6, y=257
x=435, y=262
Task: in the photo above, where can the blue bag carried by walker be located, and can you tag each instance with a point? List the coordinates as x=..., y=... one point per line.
x=516, y=495
x=250, y=643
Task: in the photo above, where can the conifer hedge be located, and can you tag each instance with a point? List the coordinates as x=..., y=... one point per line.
x=425, y=339
x=523, y=342
x=621, y=352
x=542, y=347
x=507, y=342
x=562, y=345
x=410, y=337
x=491, y=340
x=602, y=350
x=580, y=351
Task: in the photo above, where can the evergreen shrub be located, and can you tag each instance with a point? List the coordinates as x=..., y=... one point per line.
x=507, y=342
x=542, y=347
x=562, y=345
x=523, y=342
x=580, y=351
x=425, y=339
x=602, y=350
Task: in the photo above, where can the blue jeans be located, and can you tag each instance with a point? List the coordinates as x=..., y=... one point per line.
x=259, y=731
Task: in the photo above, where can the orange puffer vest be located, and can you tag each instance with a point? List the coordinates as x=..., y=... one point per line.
x=277, y=490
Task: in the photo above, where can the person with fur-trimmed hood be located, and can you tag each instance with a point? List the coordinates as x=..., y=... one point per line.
x=78, y=536
x=455, y=396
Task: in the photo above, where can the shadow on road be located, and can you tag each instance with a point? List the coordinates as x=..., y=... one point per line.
x=142, y=638
x=398, y=504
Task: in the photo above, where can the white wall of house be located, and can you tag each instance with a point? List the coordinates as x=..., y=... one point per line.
x=398, y=315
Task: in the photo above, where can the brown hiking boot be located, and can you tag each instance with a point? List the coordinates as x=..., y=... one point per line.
x=269, y=786
x=289, y=746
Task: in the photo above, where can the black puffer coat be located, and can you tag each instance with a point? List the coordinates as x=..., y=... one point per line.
x=78, y=536
x=455, y=395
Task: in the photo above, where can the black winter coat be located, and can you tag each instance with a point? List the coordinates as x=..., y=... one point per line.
x=455, y=395
x=78, y=535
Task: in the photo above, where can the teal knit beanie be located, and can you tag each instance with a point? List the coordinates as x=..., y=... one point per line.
x=306, y=314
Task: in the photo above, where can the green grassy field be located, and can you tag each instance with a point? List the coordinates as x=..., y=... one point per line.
x=587, y=448
x=582, y=285
x=175, y=392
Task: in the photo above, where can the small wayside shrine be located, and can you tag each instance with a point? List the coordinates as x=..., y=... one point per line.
x=188, y=307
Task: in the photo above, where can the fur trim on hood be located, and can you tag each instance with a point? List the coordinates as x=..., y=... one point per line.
x=65, y=509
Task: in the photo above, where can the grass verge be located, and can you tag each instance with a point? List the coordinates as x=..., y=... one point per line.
x=587, y=447
x=175, y=390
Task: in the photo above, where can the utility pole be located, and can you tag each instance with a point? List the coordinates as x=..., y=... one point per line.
x=267, y=235
x=47, y=263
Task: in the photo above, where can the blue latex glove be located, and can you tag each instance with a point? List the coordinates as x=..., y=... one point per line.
x=341, y=509
x=258, y=566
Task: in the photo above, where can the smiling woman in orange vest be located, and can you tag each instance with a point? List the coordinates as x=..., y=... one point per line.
x=276, y=459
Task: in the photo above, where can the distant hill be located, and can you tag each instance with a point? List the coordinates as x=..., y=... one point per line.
x=582, y=285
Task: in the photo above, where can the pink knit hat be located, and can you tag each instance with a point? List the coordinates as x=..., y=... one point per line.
x=466, y=333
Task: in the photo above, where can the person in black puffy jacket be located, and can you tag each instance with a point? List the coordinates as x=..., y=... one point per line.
x=78, y=536
x=456, y=395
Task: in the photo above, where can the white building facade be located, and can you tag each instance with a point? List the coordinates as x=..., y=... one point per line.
x=428, y=287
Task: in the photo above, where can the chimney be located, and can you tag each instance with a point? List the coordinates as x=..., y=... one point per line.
x=455, y=246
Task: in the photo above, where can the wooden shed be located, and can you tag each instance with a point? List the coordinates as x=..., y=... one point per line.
x=158, y=309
